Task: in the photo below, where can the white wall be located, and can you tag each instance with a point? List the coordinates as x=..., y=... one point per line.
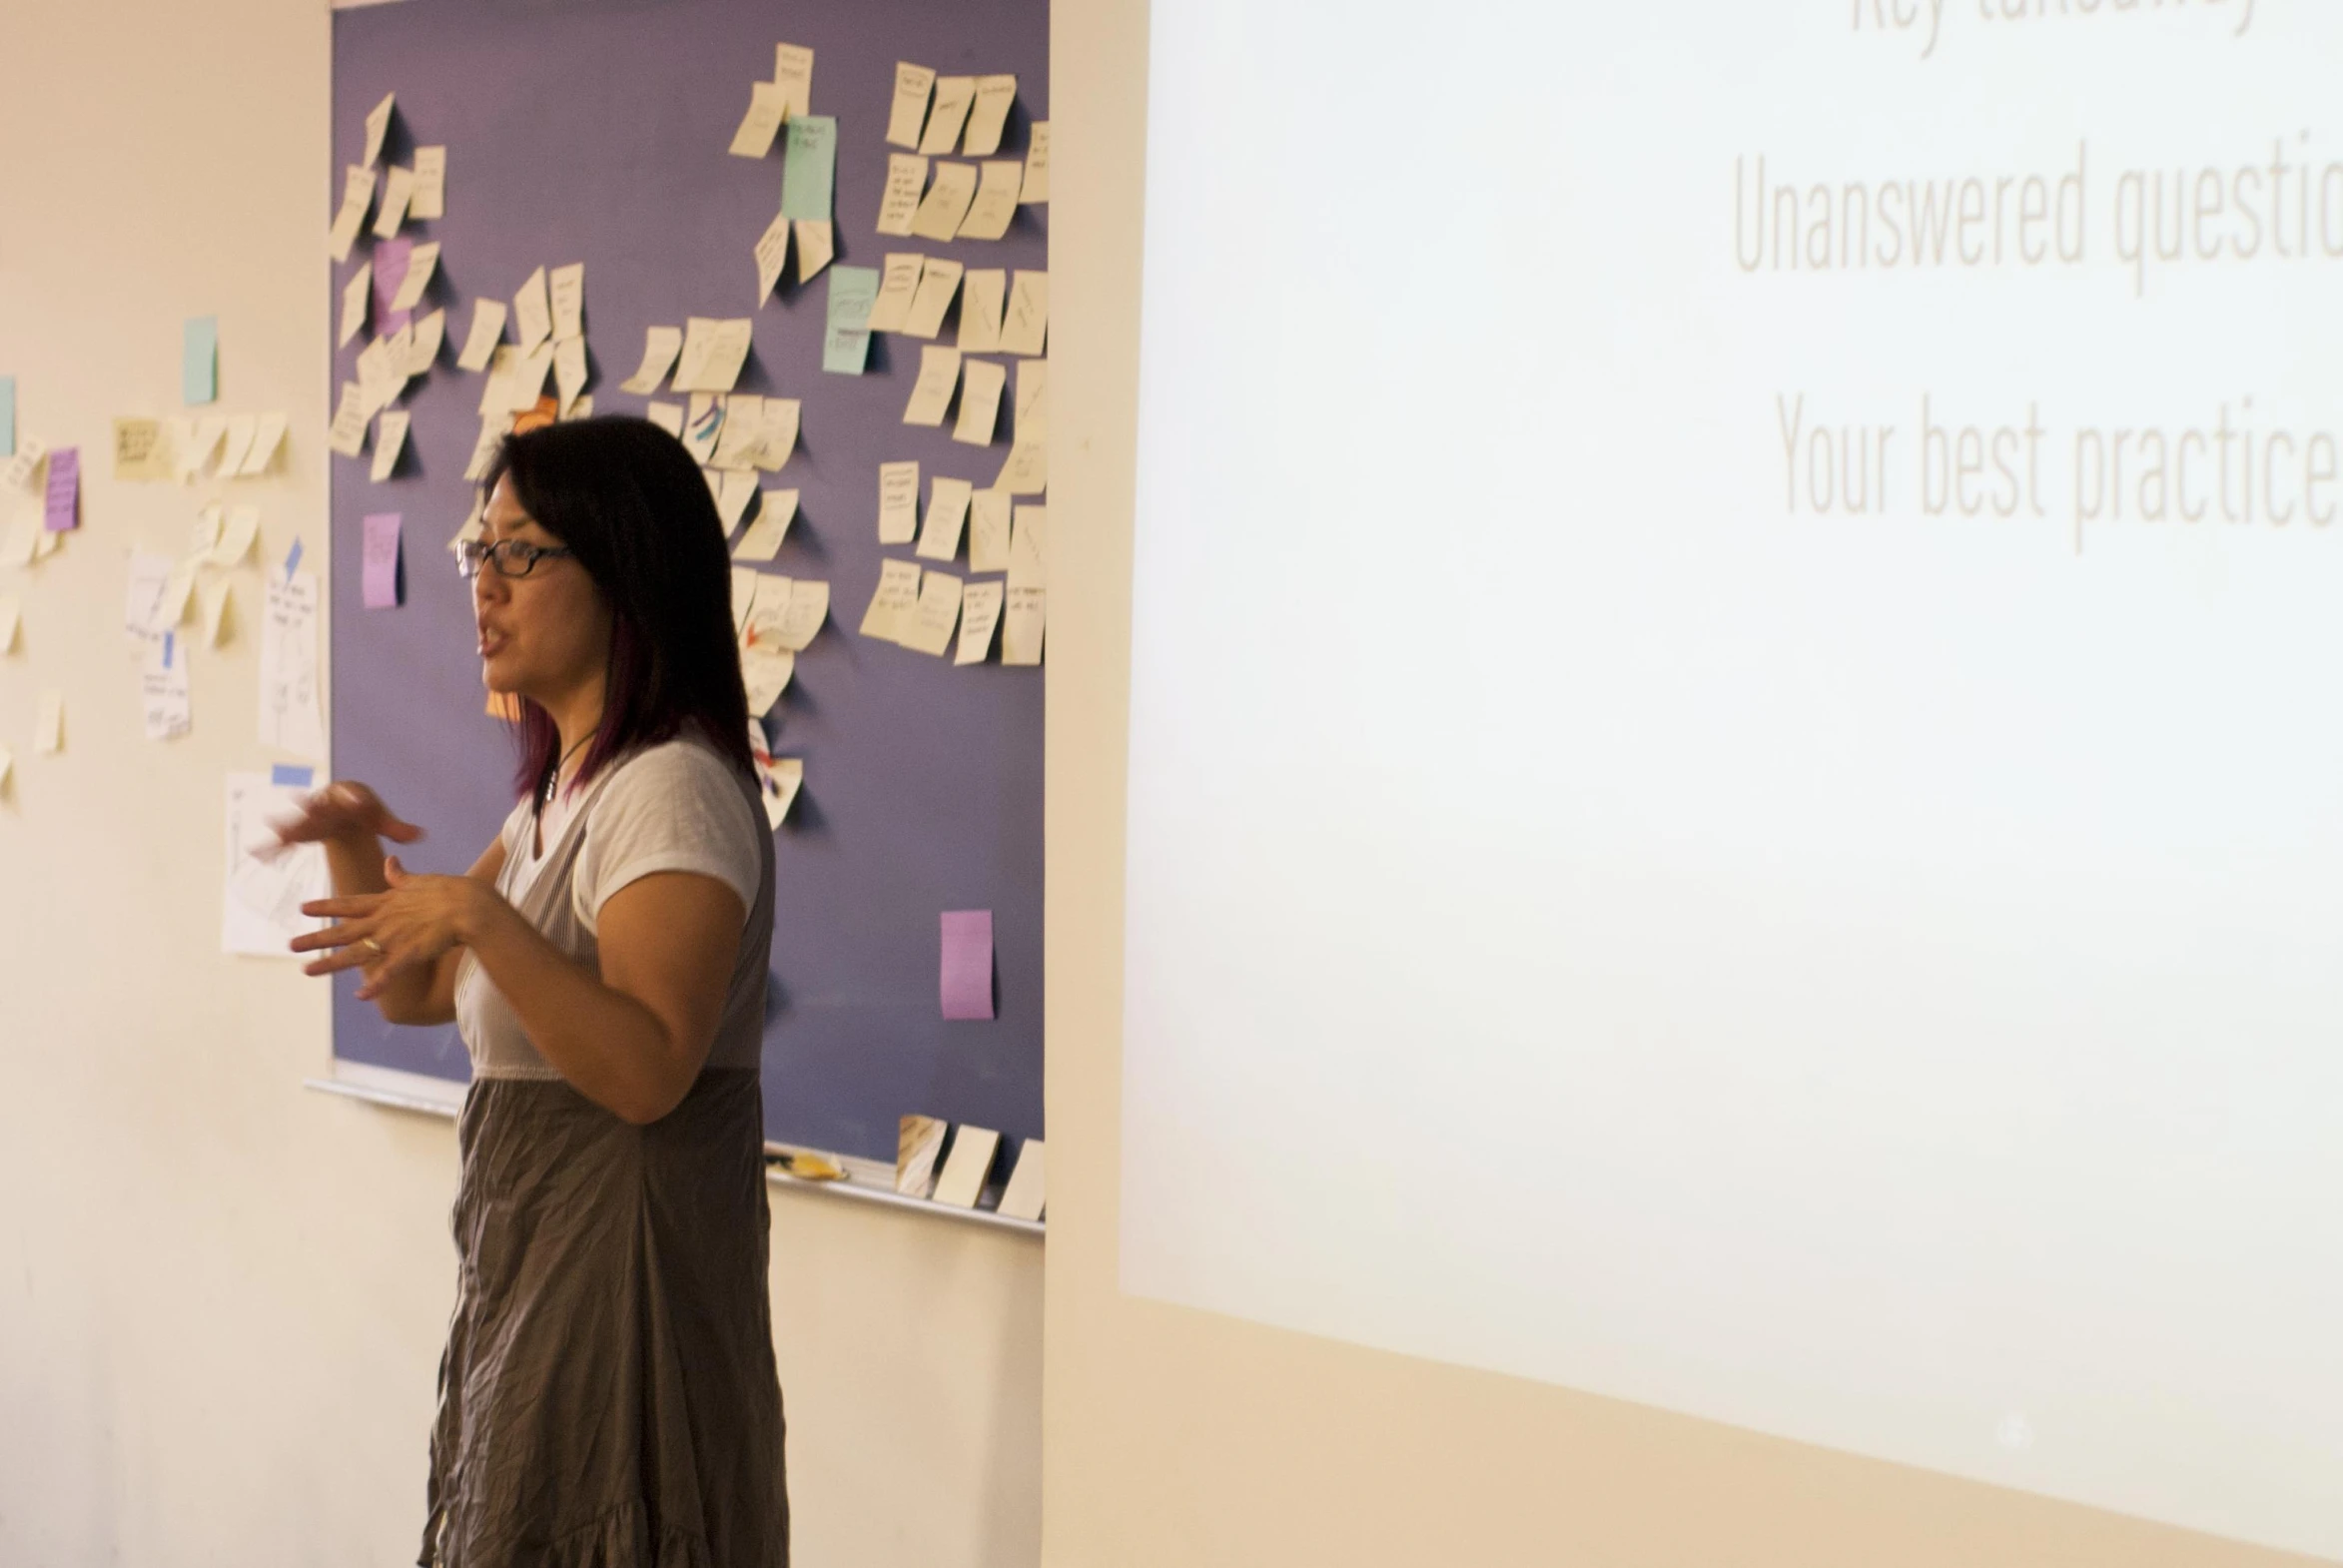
x=221, y=1295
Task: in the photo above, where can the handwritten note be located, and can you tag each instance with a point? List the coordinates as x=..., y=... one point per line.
x=1036, y=186
x=358, y=194
x=713, y=353
x=431, y=184
x=965, y=983
x=948, y=114
x=988, y=531
x=938, y=537
x=397, y=190
x=980, y=613
x=907, y=177
x=166, y=701
x=389, y=441
x=979, y=402
x=990, y=213
x=487, y=331
x=768, y=106
x=348, y=435
x=931, y=395
x=1025, y=328
x=793, y=73
x=772, y=255
x=292, y=715
x=199, y=361
x=993, y=95
x=1024, y=624
x=379, y=126
x=898, y=284
x=566, y=288
x=429, y=332
x=763, y=539
x=908, y=113
x=354, y=303
x=660, y=345
x=946, y=203
x=422, y=261
x=140, y=450
x=935, y=616
x=379, y=577
x=984, y=292
x=61, y=502
x=898, y=502
x=1029, y=549
x=939, y=280
x=817, y=243
x=846, y=337
x=532, y=314
x=809, y=165
x=894, y=603
x=809, y=607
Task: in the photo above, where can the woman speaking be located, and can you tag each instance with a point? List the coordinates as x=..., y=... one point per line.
x=607, y=1399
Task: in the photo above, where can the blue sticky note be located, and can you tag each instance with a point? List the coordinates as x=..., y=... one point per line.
x=292, y=559
x=199, y=361
x=7, y=416
x=809, y=165
x=290, y=775
x=845, y=343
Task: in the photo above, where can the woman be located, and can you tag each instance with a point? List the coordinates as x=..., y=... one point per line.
x=607, y=1399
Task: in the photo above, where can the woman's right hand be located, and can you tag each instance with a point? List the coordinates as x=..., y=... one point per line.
x=342, y=813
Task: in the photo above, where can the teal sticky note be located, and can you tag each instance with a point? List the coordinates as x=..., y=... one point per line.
x=847, y=341
x=199, y=361
x=809, y=166
x=7, y=416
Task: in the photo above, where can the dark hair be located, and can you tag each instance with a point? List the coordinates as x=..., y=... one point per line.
x=625, y=496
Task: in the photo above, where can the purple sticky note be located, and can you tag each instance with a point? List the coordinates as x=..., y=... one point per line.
x=379, y=576
x=968, y=963
x=63, y=511
x=391, y=258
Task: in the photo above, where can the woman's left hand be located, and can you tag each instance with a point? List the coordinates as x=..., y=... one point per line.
x=418, y=921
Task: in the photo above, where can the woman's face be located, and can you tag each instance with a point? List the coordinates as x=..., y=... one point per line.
x=542, y=635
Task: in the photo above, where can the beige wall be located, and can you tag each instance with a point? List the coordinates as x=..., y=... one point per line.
x=1176, y=1437
x=221, y=1295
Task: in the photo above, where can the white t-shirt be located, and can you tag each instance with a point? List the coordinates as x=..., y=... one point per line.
x=672, y=807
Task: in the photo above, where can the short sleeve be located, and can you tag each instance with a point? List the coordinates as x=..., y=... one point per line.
x=675, y=807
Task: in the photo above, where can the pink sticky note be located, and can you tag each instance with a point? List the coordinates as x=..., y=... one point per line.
x=391, y=258
x=63, y=511
x=381, y=573
x=968, y=963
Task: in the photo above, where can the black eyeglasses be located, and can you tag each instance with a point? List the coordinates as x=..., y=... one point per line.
x=511, y=558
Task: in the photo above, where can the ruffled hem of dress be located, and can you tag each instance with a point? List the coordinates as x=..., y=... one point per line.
x=620, y=1538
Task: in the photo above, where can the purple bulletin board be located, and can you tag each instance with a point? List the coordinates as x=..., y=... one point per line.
x=595, y=131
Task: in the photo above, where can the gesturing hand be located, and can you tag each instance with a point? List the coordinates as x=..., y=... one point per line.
x=383, y=934
x=345, y=811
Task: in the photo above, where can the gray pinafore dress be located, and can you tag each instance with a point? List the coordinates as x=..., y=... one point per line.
x=608, y=1397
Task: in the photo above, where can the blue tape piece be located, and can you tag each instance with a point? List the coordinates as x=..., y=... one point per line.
x=292, y=559
x=170, y=648
x=291, y=775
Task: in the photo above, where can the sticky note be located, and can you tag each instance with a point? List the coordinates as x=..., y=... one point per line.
x=1028, y=1192
x=743, y=427
x=809, y=163
x=979, y=402
x=766, y=673
x=948, y=113
x=1035, y=188
x=809, y=607
x=931, y=395
x=1028, y=548
x=237, y=533
x=569, y=371
x=984, y=292
x=1022, y=625
x=898, y=502
x=768, y=104
x=780, y=433
x=846, y=337
x=793, y=73
x=988, y=531
x=347, y=435
x=772, y=255
x=907, y=114
x=488, y=330
x=898, y=286
x=429, y=332
x=907, y=177
x=214, y=596
x=10, y=614
x=422, y=261
x=389, y=441
x=355, y=294
x=358, y=194
x=817, y=243
x=732, y=500
x=7, y=416
x=660, y=345
x=61, y=503
x=993, y=95
x=1026, y=326
x=939, y=281
x=703, y=427
x=938, y=537
x=893, y=602
x=966, y=1166
x=139, y=451
x=946, y=204
x=713, y=353
x=379, y=571
x=667, y=416
x=391, y=258
x=763, y=539
x=49, y=723
x=199, y=361
x=1026, y=471
x=935, y=616
x=995, y=204
x=1032, y=398
x=397, y=190
x=966, y=981
x=567, y=289
x=532, y=314
x=431, y=184
x=379, y=126
x=980, y=613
